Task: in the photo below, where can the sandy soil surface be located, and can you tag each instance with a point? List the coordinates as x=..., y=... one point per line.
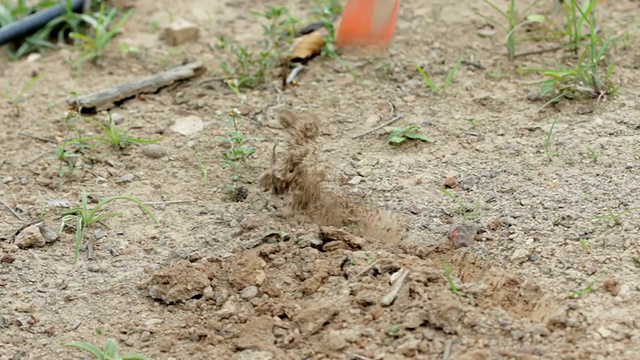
x=303, y=267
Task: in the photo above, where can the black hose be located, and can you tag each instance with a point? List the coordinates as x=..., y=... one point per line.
x=34, y=22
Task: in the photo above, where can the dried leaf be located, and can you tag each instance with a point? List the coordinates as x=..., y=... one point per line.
x=308, y=46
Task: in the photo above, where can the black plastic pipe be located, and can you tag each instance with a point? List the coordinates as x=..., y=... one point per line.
x=34, y=22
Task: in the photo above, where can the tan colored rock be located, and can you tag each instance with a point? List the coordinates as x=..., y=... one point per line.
x=30, y=237
x=180, y=32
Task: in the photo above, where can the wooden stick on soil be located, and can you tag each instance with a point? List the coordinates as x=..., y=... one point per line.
x=170, y=202
x=107, y=98
x=11, y=209
x=387, y=123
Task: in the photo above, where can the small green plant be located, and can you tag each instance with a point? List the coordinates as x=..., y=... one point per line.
x=280, y=28
x=12, y=11
x=448, y=269
x=468, y=211
x=584, y=244
x=399, y=135
x=548, y=142
x=433, y=87
x=108, y=352
x=592, y=154
x=473, y=122
x=326, y=12
x=576, y=15
x=105, y=27
x=394, y=330
x=246, y=68
x=18, y=99
x=84, y=218
x=590, y=75
x=204, y=170
x=513, y=22
x=113, y=135
x=615, y=218
x=68, y=157
x=239, y=149
x=578, y=293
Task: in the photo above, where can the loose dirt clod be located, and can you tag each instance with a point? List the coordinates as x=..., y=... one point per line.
x=177, y=283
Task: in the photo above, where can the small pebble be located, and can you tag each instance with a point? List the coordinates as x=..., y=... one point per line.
x=49, y=234
x=117, y=118
x=533, y=257
x=99, y=234
x=126, y=178
x=249, y=292
x=355, y=180
x=365, y=171
x=95, y=268
x=155, y=151
x=520, y=255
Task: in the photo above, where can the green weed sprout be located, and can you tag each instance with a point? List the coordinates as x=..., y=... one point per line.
x=249, y=69
x=615, y=218
x=17, y=99
x=108, y=352
x=448, y=269
x=578, y=293
x=513, y=23
x=468, y=211
x=84, y=218
x=113, y=135
x=69, y=21
x=399, y=135
x=548, y=142
x=204, y=170
x=239, y=150
x=433, y=87
x=104, y=29
x=591, y=74
x=326, y=12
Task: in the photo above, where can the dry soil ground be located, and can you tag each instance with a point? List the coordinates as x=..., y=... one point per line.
x=318, y=292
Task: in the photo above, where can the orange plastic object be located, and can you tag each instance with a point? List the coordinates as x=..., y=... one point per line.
x=367, y=23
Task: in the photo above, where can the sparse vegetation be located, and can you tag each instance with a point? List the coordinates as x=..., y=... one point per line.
x=247, y=68
x=590, y=74
x=612, y=217
x=399, y=135
x=578, y=293
x=113, y=135
x=433, y=87
x=326, y=11
x=514, y=21
x=239, y=150
x=204, y=170
x=468, y=211
x=16, y=100
x=105, y=25
x=592, y=154
x=548, y=141
x=83, y=218
x=92, y=31
x=448, y=269
x=108, y=352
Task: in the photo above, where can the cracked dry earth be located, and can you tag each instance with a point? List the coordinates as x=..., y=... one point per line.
x=341, y=247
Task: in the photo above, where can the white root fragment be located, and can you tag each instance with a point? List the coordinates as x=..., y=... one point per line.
x=391, y=296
